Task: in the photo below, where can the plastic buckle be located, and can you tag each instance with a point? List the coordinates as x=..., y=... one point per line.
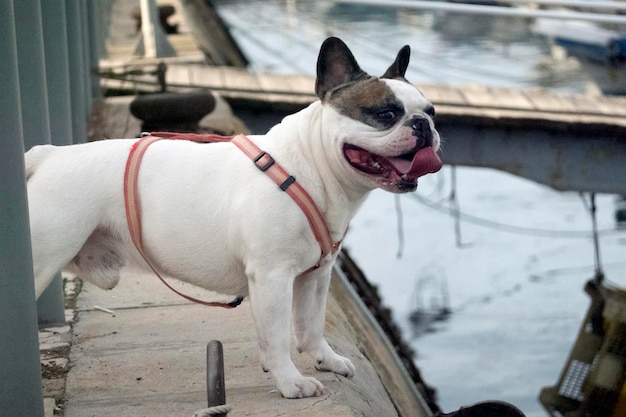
x=290, y=180
x=235, y=302
x=267, y=165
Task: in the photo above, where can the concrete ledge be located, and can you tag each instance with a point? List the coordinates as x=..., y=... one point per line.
x=149, y=359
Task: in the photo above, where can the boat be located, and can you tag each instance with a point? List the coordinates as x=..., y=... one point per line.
x=601, y=52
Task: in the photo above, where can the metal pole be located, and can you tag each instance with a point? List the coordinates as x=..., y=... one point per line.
x=32, y=71
x=76, y=71
x=85, y=43
x=35, y=120
x=94, y=52
x=20, y=385
x=57, y=71
x=50, y=305
x=216, y=389
x=491, y=10
x=101, y=13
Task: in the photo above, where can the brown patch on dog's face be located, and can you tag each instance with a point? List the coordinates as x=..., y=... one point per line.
x=370, y=101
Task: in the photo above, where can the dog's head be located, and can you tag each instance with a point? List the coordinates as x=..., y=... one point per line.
x=384, y=126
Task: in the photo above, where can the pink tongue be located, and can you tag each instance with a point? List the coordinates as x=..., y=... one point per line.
x=424, y=162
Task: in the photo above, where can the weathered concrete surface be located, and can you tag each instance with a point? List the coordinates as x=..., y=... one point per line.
x=148, y=359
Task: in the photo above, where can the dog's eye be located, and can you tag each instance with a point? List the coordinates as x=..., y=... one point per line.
x=386, y=115
x=430, y=110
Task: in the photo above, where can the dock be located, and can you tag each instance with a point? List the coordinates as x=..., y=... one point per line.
x=541, y=135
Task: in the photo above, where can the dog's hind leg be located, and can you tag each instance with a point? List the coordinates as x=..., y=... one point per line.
x=58, y=231
x=54, y=244
x=69, y=203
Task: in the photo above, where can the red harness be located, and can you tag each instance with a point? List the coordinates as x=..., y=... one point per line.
x=261, y=160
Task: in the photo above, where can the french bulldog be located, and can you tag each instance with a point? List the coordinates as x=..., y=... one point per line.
x=212, y=219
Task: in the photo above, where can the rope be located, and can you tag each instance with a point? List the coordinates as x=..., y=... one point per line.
x=520, y=230
x=213, y=411
x=591, y=207
x=400, y=227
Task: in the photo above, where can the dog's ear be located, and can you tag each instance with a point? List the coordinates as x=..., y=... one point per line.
x=335, y=66
x=399, y=66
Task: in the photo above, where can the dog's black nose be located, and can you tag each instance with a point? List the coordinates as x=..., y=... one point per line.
x=421, y=129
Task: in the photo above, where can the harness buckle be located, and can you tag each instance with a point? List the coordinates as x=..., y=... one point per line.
x=263, y=166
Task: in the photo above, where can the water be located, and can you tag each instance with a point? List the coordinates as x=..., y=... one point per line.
x=516, y=299
x=447, y=48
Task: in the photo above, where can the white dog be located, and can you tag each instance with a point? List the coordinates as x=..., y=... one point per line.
x=211, y=218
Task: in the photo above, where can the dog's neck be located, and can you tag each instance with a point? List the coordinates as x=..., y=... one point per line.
x=337, y=199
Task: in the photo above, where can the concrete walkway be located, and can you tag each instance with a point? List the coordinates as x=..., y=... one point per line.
x=149, y=359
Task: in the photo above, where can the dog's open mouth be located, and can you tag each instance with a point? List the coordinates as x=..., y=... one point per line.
x=403, y=170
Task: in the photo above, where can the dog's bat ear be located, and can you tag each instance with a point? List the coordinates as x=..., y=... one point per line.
x=335, y=66
x=399, y=66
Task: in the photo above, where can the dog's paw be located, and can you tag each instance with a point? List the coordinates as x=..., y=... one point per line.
x=301, y=387
x=337, y=364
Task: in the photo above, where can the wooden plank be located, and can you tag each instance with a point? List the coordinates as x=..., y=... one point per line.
x=239, y=78
x=617, y=104
x=272, y=83
x=184, y=44
x=178, y=74
x=207, y=76
x=591, y=104
x=511, y=98
x=496, y=97
x=477, y=95
x=504, y=106
x=300, y=84
x=439, y=94
x=550, y=102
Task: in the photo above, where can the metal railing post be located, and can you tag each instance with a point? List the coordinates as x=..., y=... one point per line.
x=94, y=29
x=76, y=70
x=32, y=73
x=58, y=82
x=36, y=121
x=57, y=71
x=85, y=46
x=20, y=386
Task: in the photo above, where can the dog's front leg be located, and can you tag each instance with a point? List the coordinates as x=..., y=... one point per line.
x=309, y=312
x=271, y=297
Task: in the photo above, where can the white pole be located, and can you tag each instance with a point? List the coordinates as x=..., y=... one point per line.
x=148, y=12
x=155, y=43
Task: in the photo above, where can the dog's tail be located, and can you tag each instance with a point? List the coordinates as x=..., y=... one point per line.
x=34, y=157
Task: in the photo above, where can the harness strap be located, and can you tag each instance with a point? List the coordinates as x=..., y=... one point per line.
x=133, y=216
x=262, y=160
x=287, y=183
